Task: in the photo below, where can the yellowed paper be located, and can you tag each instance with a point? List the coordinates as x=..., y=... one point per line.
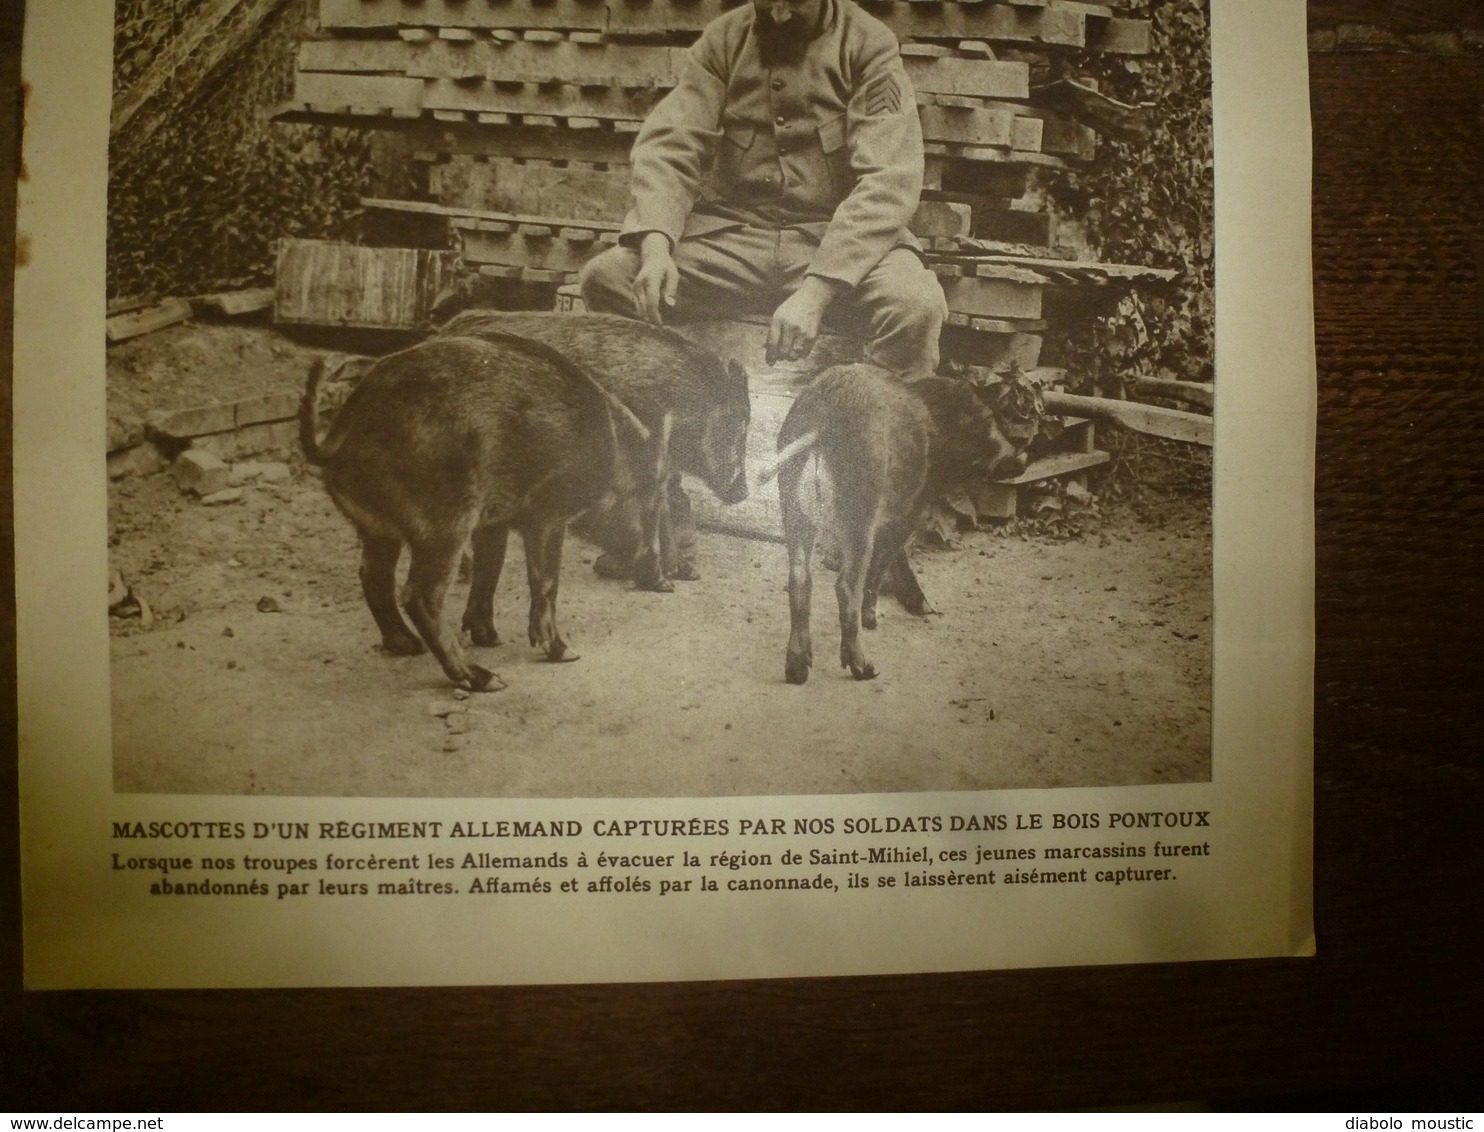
x=132, y=882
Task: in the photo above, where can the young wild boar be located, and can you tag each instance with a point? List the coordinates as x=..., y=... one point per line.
x=868, y=455
x=464, y=438
x=654, y=371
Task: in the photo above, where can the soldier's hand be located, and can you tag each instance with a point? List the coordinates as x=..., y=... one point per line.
x=795, y=323
x=658, y=278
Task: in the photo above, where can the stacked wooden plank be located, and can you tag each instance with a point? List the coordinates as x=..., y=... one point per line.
x=519, y=116
x=521, y=113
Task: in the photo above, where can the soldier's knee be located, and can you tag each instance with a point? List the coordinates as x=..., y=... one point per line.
x=606, y=281
x=908, y=324
x=918, y=304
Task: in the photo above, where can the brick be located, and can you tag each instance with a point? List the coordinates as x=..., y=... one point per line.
x=200, y=472
x=269, y=407
x=184, y=424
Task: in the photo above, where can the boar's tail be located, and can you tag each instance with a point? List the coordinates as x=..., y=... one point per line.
x=309, y=416
x=790, y=451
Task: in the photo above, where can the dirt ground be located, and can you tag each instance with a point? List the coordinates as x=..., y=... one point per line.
x=256, y=668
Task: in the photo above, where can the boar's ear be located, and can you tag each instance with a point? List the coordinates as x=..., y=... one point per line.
x=737, y=372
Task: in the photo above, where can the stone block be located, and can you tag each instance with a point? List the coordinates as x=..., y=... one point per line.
x=201, y=472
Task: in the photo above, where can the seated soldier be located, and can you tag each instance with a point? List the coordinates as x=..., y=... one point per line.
x=779, y=176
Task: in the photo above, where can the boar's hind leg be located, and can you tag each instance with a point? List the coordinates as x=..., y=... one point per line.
x=798, y=533
x=543, y=539
x=903, y=582
x=890, y=572
x=654, y=532
x=379, y=585
x=678, y=533
x=489, y=560
x=428, y=576
x=619, y=536
x=856, y=543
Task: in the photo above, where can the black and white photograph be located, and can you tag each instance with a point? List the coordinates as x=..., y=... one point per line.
x=596, y=491
x=605, y=399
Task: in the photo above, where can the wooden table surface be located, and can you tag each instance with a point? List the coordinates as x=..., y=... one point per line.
x=1390, y=1012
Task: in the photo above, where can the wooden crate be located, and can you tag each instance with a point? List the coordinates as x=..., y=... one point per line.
x=322, y=283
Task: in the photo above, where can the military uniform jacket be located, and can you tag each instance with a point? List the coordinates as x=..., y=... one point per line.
x=830, y=143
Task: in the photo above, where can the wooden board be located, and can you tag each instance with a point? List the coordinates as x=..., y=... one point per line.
x=980, y=78
x=977, y=126
x=584, y=14
x=1054, y=24
x=435, y=141
x=625, y=64
x=552, y=253
x=654, y=17
x=572, y=191
x=1172, y=424
x=638, y=68
x=989, y=264
x=429, y=208
x=367, y=92
x=320, y=283
x=232, y=303
x=993, y=298
x=134, y=323
x=557, y=100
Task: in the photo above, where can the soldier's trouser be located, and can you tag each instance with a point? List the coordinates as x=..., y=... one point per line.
x=898, y=309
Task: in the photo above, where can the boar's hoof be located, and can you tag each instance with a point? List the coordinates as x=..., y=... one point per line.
x=402, y=644
x=853, y=659
x=868, y=617
x=610, y=565
x=483, y=636
x=796, y=668
x=686, y=572
x=918, y=606
x=483, y=680
x=557, y=653
x=650, y=575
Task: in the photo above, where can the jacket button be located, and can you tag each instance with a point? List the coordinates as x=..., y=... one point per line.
x=780, y=120
x=777, y=84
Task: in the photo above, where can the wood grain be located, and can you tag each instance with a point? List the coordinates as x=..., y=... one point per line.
x=1388, y=1013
